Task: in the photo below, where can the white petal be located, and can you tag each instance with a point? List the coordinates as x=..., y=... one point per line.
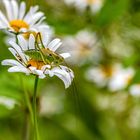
x=40, y=74
x=62, y=73
x=22, y=9
x=35, y=18
x=19, y=69
x=65, y=55
x=8, y=7
x=23, y=30
x=27, y=16
x=45, y=31
x=40, y=21
x=64, y=79
x=11, y=62
x=54, y=44
x=68, y=71
x=14, y=52
x=32, y=68
x=44, y=27
x=22, y=42
x=31, y=42
x=49, y=72
x=18, y=50
x=2, y=25
x=3, y=19
x=30, y=13
x=15, y=46
x=37, y=72
x=14, y=9
x=34, y=9
x=45, y=67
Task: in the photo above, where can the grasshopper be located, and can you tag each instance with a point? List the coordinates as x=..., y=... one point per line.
x=45, y=55
x=40, y=53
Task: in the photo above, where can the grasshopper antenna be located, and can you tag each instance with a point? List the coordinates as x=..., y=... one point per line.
x=38, y=36
x=75, y=97
x=37, y=47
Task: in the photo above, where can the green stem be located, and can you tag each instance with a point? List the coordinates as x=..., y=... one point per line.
x=26, y=135
x=36, y=134
x=27, y=99
x=16, y=38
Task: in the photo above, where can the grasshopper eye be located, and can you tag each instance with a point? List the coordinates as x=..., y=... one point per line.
x=56, y=62
x=50, y=54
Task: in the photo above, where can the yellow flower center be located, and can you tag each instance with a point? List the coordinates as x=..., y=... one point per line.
x=90, y=1
x=128, y=79
x=27, y=34
x=18, y=24
x=107, y=70
x=84, y=49
x=35, y=63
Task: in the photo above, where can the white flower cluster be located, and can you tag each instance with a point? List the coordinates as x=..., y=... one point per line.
x=34, y=52
x=115, y=77
x=83, y=46
x=94, y=5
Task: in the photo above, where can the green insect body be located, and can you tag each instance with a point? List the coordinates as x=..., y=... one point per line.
x=45, y=55
x=34, y=54
x=53, y=57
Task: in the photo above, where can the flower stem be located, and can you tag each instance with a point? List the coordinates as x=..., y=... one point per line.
x=29, y=106
x=26, y=135
x=16, y=39
x=36, y=134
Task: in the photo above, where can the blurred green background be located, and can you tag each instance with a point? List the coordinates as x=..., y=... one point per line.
x=84, y=111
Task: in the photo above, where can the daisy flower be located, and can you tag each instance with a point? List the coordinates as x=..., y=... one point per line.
x=115, y=77
x=95, y=5
x=83, y=46
x=135, y=90
x=36, y=65
x=45, y=31
x=121, y=78
x=17, y=20
x=99, y=75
